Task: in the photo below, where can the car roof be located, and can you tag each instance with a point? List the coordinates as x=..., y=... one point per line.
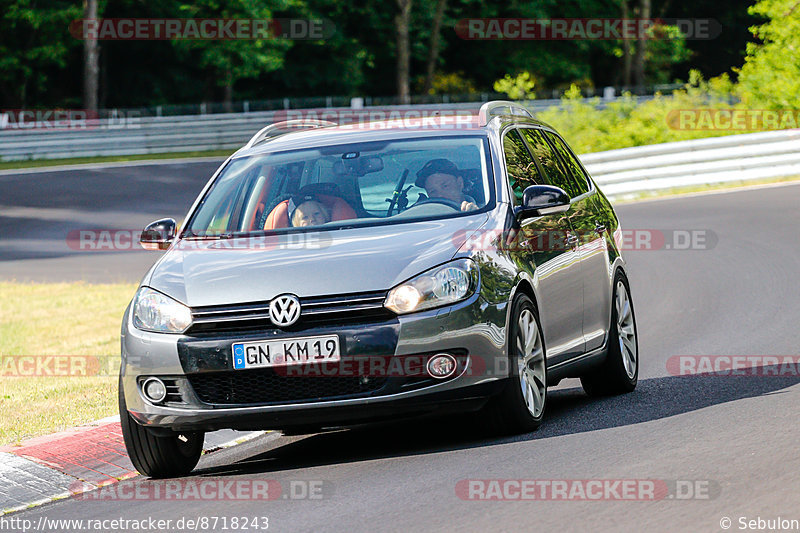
x=386, y=130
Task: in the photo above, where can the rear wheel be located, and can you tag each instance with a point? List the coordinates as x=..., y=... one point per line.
x=520, y=407
x=159, y=456
x=620, y=371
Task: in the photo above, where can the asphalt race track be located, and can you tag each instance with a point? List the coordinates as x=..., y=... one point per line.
x=39, y=210
x=731, y=439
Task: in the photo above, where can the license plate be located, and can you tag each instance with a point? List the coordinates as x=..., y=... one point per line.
x=285, y=352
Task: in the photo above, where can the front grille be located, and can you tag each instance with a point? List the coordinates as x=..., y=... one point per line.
x=264, y=386
x=173, y=391
x=315, y=311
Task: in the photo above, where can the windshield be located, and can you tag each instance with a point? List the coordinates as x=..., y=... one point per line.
x=354, y=184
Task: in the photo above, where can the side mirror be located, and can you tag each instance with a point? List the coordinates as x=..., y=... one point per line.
x=540, y=200
x=158, y=235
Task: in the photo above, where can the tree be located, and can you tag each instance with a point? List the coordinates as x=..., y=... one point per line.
x=91, y=60
x=433, y=52
x=402, y=22
x=33, y=40
x=666, y=46
x=229, y=61
x=335, y=65
x=771, y=72
x=641, y=46
x=626, y=50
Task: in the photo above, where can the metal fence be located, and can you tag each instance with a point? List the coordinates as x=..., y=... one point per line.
x=130, y=133
x=730, y=158
x=545, y=98
x=619, y=172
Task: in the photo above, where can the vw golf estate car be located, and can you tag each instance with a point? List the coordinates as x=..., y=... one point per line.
x=331, y=276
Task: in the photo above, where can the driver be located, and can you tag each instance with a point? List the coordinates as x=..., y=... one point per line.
x=441, y=179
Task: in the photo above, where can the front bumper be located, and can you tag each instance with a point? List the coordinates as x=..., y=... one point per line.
x=472, y=330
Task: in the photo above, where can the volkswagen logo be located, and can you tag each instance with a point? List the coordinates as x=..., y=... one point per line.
x=284, y=310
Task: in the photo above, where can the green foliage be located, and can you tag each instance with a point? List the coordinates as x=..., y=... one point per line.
x=232, y=60
x=667, y=48
x=448, y=83
x=32, y=40
x=770, y=76
x=591, y=126
x=41, y=64
x=520, y=87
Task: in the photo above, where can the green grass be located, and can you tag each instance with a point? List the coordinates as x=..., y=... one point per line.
x=35, y=163
x=53, y=319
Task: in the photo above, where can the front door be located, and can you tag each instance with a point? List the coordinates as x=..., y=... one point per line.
x=548, y=247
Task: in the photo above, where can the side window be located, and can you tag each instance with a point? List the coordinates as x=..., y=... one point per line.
x=548, y=160
x=522, y=171
x=579, y=182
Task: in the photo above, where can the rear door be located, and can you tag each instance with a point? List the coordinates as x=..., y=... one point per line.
x=542, y=246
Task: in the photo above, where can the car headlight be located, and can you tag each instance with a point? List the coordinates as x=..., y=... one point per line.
x=443, y=285
x=153, y=311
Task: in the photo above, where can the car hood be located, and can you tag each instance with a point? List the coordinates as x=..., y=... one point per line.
x=228, y=271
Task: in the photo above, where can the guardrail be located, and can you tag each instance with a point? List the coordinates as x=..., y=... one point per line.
x=137, y=135
x=619, y=172
x=701, y=161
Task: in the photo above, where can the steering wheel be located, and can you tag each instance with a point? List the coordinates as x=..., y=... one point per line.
x=439, y=200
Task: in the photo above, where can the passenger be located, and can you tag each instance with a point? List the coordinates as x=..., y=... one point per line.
x=310, y=213
x=441, y=178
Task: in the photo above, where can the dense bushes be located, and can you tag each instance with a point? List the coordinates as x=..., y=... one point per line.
x=765, y=97
x=595, y=126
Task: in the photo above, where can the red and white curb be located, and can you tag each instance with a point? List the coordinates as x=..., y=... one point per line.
x=49, y=468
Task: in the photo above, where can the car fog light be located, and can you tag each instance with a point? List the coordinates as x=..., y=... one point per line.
x=441, y=366
x=154, y=390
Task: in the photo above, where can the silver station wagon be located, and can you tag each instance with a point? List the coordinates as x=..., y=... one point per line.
x=335, y=275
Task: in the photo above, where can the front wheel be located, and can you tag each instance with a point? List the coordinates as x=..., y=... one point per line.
x=155, y=456
x=520, y=407
x=619, y=373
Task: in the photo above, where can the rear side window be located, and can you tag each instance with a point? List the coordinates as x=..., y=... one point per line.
x=547, y=159
x=522, y=171
x=580, y=183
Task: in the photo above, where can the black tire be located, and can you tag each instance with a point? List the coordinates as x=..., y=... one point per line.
x=612, y=378
x=508, y=413
x=157, y=456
